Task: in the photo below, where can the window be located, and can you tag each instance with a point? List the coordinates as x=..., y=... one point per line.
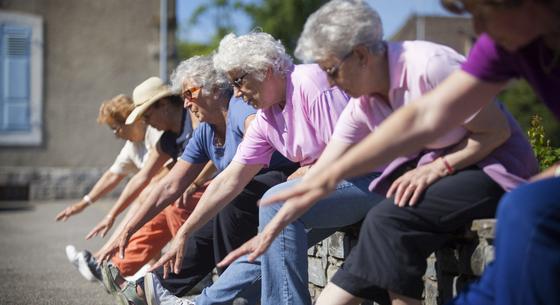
x=21, y=80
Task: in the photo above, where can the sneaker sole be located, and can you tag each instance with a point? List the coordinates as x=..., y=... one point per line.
x=72, y=255
x=149, y=289
x=84, y=269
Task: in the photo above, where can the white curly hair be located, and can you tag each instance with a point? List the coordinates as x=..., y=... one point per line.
x=254, y=53
x=200, y=72
x=337, y=27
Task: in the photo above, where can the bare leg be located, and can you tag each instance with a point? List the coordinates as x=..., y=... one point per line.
x=334, y=295
x=397, y=299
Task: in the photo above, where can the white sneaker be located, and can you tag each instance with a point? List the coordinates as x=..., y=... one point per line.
x=72, y=255
x=156, y=294
x=88, y=266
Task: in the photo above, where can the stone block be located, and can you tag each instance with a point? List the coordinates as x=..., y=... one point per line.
x=336, y=245
x=317, y=272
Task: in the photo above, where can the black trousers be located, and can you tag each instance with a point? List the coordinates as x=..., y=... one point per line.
x=230, y=228
x=394, y=242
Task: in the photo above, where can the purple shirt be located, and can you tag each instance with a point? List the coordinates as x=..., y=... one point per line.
x=301, y=130
x=415, y=68
x=489, y=62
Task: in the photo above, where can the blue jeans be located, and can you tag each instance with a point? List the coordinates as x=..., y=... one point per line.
x=526, y=269
x=284, y=265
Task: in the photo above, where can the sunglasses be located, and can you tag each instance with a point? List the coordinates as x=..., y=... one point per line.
x=191, y=94
x=238, y=82
x=332, y=72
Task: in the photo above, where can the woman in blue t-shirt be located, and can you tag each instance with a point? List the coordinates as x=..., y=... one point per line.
x=224, y=120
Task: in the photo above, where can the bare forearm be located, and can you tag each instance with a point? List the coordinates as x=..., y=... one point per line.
x=104, y=185
x=161, y=196
x=129, y=194
x=218, y=194
x=206, y=174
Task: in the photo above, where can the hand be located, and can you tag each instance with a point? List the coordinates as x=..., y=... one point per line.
x=408, y=187
x=108, y=251
x=256, y=246
x=102, y=227
x=186, y=197
x=300, y=172
x=173, y=258
x=547, y=173
x=71, y=210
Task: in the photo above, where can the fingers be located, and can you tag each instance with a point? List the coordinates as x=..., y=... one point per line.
x=417, y=193
x=163, y=262
x=282, y=196
x=92, y=233
x=178, y=261
x=232, y=256
x=122, y=246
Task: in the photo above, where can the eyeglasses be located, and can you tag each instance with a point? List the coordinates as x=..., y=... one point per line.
x=332, y=72
x=238, y=82
x=191, y=94
x=117, y=128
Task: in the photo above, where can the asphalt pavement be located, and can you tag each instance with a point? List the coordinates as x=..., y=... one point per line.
x=33, y=264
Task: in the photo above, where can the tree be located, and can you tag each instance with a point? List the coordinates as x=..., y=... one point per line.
x=283, y=19
x=523, y=104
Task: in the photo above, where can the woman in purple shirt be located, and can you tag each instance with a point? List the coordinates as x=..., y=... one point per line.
x=522, y=40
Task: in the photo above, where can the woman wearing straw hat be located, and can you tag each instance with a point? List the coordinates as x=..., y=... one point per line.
x=162, y=109
x=141, y=140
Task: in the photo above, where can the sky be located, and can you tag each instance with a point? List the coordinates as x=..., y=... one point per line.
x=393, y=14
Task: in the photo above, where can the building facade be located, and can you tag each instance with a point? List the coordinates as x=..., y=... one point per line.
x=59, y=60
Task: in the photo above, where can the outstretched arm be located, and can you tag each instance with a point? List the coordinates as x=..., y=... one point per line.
x=104, y=185
x=222, y=190
x=133, y=188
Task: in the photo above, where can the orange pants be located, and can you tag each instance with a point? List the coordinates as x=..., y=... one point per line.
x=147, y=242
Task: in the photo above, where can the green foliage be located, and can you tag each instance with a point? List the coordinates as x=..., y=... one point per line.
x=522, y=102
x=283, y=19
x=546, y=154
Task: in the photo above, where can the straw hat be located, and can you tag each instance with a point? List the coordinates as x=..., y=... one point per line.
x=145, y=95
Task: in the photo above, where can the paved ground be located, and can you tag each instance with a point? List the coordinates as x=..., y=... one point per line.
x=33, y=264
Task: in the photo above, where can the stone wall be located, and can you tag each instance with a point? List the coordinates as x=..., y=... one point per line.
x=40, y=183
x=449, y=269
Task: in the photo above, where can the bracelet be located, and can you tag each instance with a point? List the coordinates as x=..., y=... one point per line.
x=448, y=167
x=557, y=171
x=87, y=199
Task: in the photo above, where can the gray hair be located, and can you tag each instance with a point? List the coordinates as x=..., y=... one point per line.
x=200, y=72
x=337, y=27
x=255, y=52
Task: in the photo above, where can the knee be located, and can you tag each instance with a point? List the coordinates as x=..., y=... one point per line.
x=266, y=213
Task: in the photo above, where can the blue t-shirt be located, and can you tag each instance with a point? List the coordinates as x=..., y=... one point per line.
x=201, y=146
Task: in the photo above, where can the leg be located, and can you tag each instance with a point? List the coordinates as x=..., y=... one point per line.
x=526, y=269
x=284, y=265
x=334, y=295
x=395, y=242
x=143, y=245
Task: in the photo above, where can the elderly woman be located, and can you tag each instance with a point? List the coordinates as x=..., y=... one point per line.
x=432, y=192
x=140, y=145
x=528, y=223
x=224, y=119
x=163, y=110
x=298, y=109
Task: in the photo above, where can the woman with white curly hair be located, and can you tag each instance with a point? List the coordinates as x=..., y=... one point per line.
x=223, y=122
x=431, y=192
x=298, y=109
x=406, y=105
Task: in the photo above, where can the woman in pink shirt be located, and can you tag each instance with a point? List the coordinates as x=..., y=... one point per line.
x=431, y=192
x=298, y=110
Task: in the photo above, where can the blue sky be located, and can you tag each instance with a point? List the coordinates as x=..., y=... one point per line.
x=393, y=14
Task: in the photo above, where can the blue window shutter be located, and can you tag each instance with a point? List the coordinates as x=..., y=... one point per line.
x=15, y=45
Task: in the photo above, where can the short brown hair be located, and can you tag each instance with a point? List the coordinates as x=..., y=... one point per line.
x=115, y=110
